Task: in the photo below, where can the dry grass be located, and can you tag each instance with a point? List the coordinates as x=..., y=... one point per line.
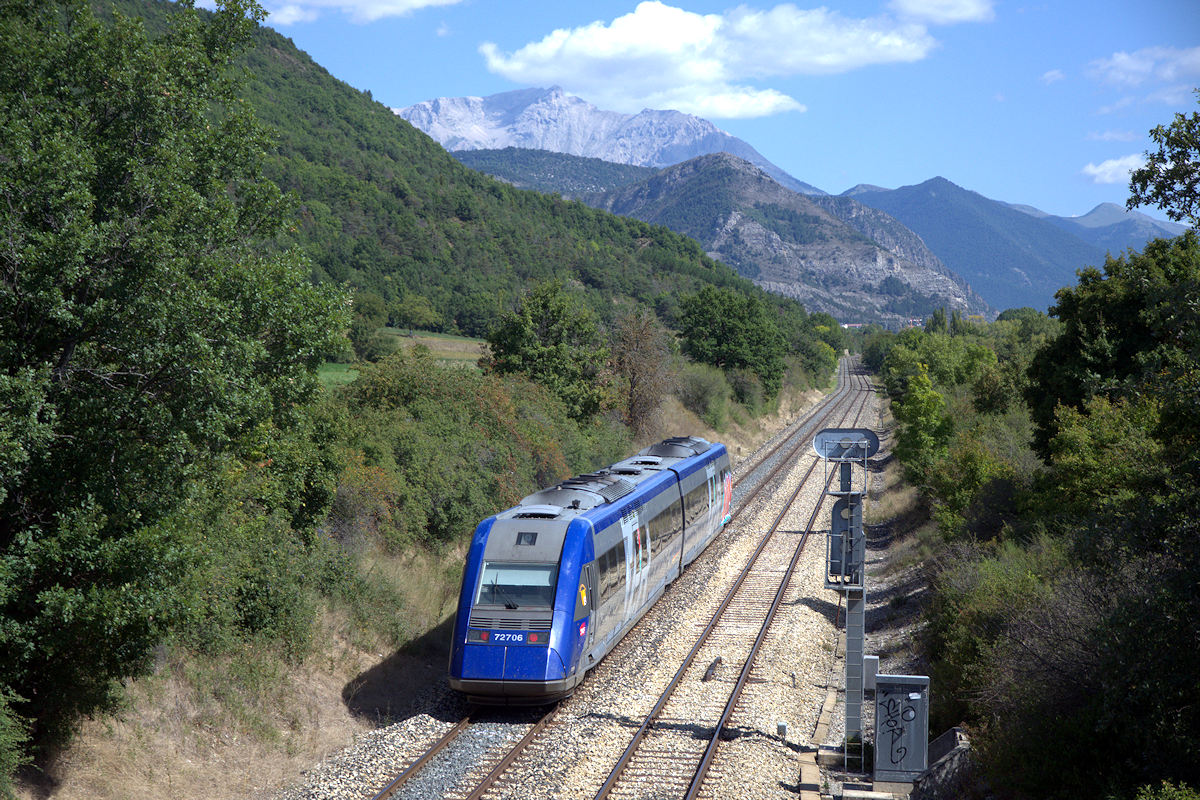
x=227, y=728
x=450, y=350
x=895, y=508
x=246, y=725
x=894, y=499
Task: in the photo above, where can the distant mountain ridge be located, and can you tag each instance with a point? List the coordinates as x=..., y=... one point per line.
x=1013, y=254
x=796, y=245
x=1009, y=256
x=1111, y=227
x=551, y=119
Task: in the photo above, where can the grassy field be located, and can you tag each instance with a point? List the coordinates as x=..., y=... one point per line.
x=333, y=375
x=459, y=351
x=456, y=351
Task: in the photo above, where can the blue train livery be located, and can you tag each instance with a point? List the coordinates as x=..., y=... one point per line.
x=551, y=585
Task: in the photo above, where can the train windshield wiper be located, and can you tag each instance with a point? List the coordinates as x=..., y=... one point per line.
x=509, y=603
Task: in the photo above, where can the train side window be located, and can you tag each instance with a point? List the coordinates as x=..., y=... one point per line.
x=610, y=572
x=664, y=527
x=696, y=503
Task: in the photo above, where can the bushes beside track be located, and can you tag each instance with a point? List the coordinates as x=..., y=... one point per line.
x=1059, y=461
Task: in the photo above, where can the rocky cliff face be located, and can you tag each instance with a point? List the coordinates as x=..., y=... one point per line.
x=857, y=264
x=550, y=119
x=883, y=229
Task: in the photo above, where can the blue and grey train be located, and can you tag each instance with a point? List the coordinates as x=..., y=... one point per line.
x=551, y=585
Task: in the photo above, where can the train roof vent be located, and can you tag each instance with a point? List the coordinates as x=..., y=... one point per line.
x=678, y=447
x=538, y=512
x=627, y=470
x=604, y=484
x=618, y=488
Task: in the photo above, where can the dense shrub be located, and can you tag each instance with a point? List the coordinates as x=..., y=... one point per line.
x=704, y=391
x=1070, y=581
x=748, y=390
x=13, y=735
x=432, y=450
x=1167, y=791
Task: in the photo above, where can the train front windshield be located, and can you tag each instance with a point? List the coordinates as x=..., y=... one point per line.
x=517, y=585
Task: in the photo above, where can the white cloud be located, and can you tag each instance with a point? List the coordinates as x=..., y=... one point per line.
x=945, y=12
x=360, y=11
x=790, y=41
x=1112, y=108
x=291, y=14
x=1112, y=136
x=660, y=56
x=1151, y=64
x=1052, y=76
x=1114, y=170
x=1180, y=95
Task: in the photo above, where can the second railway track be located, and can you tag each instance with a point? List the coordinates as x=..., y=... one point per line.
x=573, y=752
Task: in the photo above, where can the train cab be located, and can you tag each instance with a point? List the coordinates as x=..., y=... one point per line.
x=516, y=644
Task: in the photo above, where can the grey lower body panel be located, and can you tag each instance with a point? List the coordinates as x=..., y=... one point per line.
x=515, y=693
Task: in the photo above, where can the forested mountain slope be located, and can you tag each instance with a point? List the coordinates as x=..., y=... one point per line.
x=834, y=254
x=384, y=208
x=546, y=171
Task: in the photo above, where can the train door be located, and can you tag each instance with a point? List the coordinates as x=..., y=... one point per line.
x=713, y=521
x=637, y=559
x=586, y=606
x=726, y=496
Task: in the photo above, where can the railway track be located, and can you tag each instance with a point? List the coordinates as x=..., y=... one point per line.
x=674, y=747
x=668, y=751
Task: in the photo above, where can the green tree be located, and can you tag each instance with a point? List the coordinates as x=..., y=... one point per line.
x=733, y=331
x=925, y=427
x=147, y=337
x=414, y=311
x=937, y=322
x=1133, y=328
x=556, y=342
x=1170, y=179
x=370, y=314
x=1167, y=791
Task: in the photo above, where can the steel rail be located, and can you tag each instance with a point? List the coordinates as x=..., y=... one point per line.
x=822, y=412
x=735, y=695
x=652, y=716
x=512, y=755
x=414, y=767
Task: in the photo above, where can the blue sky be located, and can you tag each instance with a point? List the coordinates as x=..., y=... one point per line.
x=1047, y=102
